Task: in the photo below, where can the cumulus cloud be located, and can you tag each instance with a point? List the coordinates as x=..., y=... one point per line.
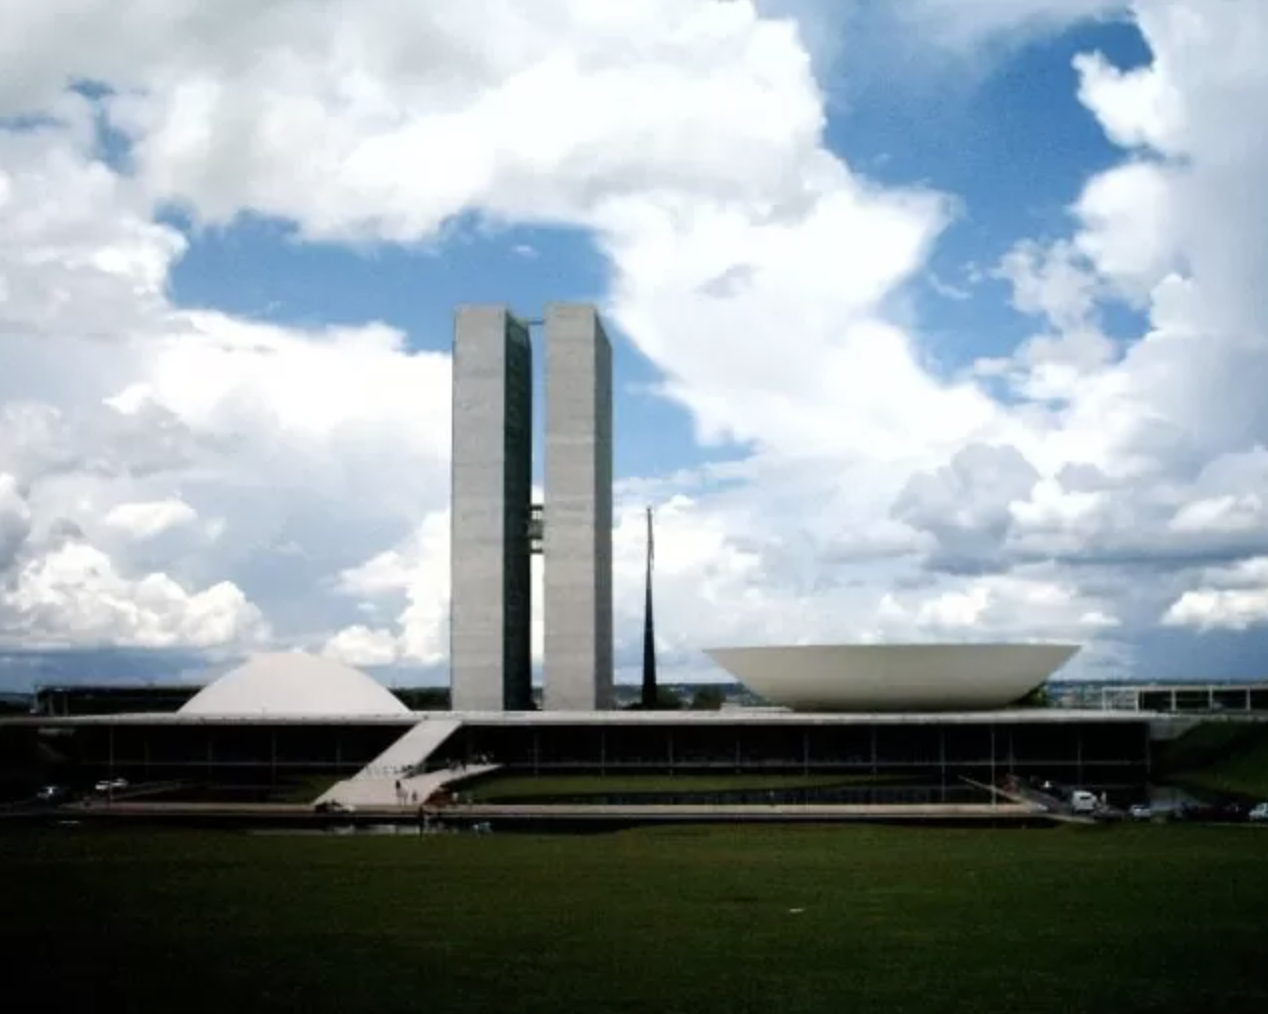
x=869, y=498
x=360, y=645
x=406, y=589
x=1174, y=424
x=252, y=408
x=1230, y=598
x=128, y=420
x=966, y=506
x=72, y=595
x=1032, y=598
x=217, y=105
x=74, y=233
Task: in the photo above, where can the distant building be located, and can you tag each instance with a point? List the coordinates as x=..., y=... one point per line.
x=491, y=510
x=496, y=527
x=1185, y=697
x=284, y=717
x=111, y=698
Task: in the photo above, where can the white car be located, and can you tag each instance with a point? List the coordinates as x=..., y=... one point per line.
x=111, y=785
x=1082, y=801
x=1259, y=815
x=1140, y=811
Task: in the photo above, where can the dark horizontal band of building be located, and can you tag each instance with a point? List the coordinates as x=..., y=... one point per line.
x=614, y=719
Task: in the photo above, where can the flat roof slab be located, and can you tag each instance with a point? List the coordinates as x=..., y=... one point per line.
x=614, y=719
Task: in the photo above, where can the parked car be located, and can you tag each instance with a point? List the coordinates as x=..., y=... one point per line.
x=1082, y=801
x=334, y=806
x=110, y=785
x=1211, y=813
x=1258, y=814
x=1140, y=811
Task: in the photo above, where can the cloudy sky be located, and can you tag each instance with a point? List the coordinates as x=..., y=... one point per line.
x=936, y=319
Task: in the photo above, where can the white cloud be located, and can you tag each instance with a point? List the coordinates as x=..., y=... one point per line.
x=1232, y=598
x=74, y=596
x=520, y=104
x=1050, y=282
x=1138, y=108
x=177, y=416
x=1175, y=426
x=300, y=415
x=967, y=506
x=1225, y=514
x=752, y=266
x=1213, y=609
x=410, y=583
x=1047, y=608
x=1128, y=234
x=147, y=519
x=15, y=520
x=840, y=379
x=73, y=234
x=360, y=645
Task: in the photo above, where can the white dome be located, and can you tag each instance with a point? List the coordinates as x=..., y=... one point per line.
x=894, y=677
x=294, y=684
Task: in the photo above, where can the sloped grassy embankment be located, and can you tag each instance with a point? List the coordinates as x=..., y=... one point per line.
x=1224, y=757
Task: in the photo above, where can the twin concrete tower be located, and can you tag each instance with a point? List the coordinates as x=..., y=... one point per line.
x=496, y=527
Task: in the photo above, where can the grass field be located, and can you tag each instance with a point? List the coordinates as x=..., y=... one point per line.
x=891, y=920
x=301, y=790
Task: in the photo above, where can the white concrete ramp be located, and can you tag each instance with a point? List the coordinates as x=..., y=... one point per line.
x=375, y=784
x=408, y=752
x=424, y=785
x=380, y=793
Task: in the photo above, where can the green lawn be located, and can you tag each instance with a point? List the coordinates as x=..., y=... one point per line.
x=1227, y=757
x=1119, y=919
x=504, y=788
x=302, y=790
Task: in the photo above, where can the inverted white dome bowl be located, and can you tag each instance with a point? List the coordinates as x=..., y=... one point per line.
x=894, y=677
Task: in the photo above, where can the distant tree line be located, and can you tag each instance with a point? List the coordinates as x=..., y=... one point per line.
x=423, y=698
x=704, y=698
x=1037, y=698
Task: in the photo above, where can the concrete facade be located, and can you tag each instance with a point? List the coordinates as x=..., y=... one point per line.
x=1100, y=750
x=577, y=542
x=491, y=598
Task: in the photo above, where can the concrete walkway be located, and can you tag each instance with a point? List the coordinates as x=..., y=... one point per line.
x=1047, y=805
x=375, y=785
x=379, y=792
x=408, y=752
x=571, y=814
x=747, y=811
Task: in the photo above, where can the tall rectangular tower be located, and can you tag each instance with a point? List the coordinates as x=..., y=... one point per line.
x=492, y=474
x=577, y=515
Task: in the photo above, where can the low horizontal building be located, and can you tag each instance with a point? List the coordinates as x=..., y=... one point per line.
x=288, y=717
x=1188, y=698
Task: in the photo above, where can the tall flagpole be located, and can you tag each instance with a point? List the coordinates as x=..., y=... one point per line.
x=650, y=695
